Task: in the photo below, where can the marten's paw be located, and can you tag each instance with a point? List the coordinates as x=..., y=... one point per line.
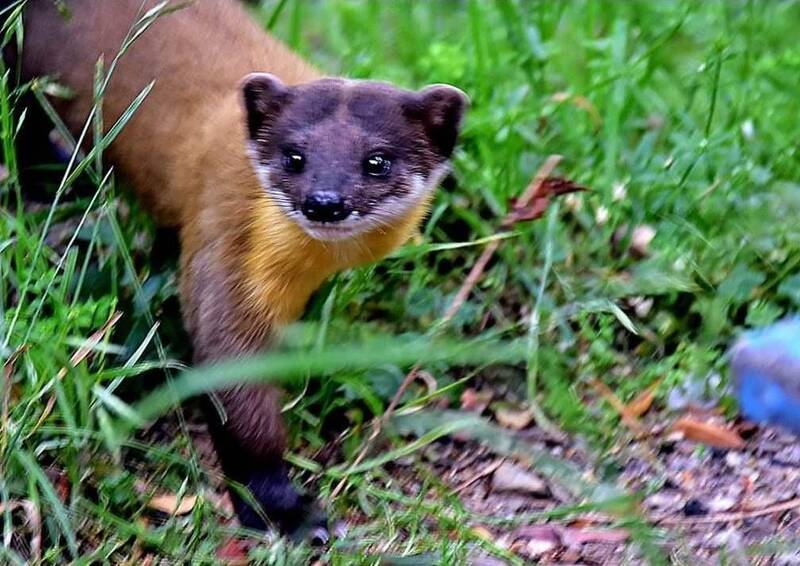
x=280, y=505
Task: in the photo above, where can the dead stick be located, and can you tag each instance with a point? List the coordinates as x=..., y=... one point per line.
x=534, y=189
x=730, y=517
x=480, y=475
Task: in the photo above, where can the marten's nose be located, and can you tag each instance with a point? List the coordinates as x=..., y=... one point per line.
x=325, y=206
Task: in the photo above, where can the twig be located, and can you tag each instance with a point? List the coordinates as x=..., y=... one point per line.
x=490, y=469
x=80, y=354
x=8, y=371
x=628, y=418
x=731, y=517
x=536, y=189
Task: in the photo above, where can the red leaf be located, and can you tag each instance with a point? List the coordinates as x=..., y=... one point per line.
x=642, y=403
x=708, y=433
x=233, y=552
x=537, y=206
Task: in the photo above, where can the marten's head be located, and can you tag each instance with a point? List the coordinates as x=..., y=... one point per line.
x=343, y=157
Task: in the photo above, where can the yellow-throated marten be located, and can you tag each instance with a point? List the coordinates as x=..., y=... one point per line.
x=274, y=181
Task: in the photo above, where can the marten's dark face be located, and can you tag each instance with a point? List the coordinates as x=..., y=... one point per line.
x=341, y=157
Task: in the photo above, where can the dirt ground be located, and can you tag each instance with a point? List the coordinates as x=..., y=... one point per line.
x=707, y=505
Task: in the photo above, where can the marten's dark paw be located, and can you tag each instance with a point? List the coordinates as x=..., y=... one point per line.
x=280, y=505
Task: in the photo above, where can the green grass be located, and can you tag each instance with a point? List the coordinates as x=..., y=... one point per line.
x=677, y=115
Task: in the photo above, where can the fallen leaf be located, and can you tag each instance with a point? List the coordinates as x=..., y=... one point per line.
x=558, y=471
x=80, y=354
x=482, y=533
x=640, y=239
x=549, y=533
x=515, y=419
x=510, y=477
x=532, y=209
x=428, y=380
x=642, y=403
x=536, y=548
x=91, y=343
x=233, y=552
x=637, y=239
x=570, y=536
x=708, y=433
x=642, y=306
x=487, y=471
x=63, y=487
x=630, y=420
x=536, y=540
x=170, y=504
x=475, y=401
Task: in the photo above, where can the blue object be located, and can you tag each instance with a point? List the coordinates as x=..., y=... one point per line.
x=766, y=371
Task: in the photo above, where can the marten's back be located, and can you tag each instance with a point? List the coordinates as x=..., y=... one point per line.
x=197, y=57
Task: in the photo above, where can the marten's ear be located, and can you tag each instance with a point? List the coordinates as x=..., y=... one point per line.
x=264, y=96
x=441, y=108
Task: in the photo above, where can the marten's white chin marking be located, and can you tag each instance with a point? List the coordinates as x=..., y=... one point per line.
x=329, y=232
x=382, y=217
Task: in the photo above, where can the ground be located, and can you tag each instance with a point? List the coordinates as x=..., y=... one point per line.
x=575, y=407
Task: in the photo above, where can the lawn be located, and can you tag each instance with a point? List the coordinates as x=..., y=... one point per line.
x=680, y=120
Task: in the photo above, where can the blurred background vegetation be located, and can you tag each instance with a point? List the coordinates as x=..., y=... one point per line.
x=680, y=118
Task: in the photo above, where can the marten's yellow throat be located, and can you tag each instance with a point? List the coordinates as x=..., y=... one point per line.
x=274, y=176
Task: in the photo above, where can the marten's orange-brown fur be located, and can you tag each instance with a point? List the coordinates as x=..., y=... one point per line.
x=247, y=266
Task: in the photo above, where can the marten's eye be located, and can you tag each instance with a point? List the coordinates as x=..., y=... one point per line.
x=294, y=161
x=377, y=165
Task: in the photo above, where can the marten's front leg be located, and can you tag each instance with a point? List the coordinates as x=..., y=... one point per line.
x=249, y=437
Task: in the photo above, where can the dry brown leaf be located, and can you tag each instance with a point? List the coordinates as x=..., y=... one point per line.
x=429, y=381
x=482, y=532
x=515, y=419
x=642, y=403
x=510, y=477
x=476, y=401
x=630, y=420
x=233, y=552
x=62, y=487
x=547, y=532
x=533, y=208
x=641, y=238
x=170, y=504
x=708, y=433
x=80, y=354
x=9, y=391
x=486, y=471
x=93, y=340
